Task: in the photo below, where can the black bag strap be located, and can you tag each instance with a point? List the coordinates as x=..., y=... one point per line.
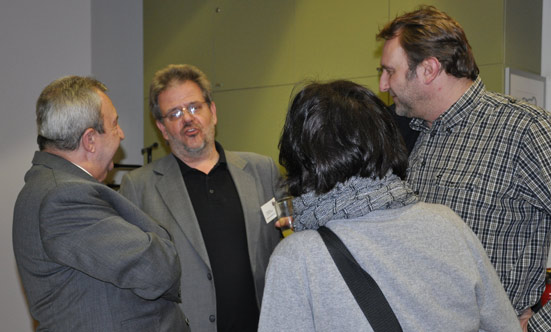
x=365, y=290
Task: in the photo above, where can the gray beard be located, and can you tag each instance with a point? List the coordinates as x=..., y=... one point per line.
x=195, y=151
x=182, y=150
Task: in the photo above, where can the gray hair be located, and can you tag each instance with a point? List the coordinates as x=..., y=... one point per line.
x=166, y=77
x=65, y=109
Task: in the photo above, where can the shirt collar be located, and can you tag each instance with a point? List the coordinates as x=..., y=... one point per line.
x=457, y=112
x=82, y=168
x=221, y=160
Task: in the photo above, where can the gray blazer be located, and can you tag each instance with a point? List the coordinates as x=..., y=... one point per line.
x=158, y=188
x=88, y=258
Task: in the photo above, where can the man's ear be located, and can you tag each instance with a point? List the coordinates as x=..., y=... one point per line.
x=88, y=140
x=213, y=111
x=431, y=68
x=162, y=128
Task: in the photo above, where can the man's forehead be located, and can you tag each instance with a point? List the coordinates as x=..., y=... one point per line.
x=393, y=50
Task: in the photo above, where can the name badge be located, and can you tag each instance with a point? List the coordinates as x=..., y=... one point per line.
x=269, y=211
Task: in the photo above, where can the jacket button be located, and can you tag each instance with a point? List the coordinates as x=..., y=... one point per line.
x=211, y=318
x=209, y=276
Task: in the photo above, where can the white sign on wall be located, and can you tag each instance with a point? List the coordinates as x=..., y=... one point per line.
x=525, y=86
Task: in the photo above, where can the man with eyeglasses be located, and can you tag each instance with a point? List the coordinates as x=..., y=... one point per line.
x=210, y=200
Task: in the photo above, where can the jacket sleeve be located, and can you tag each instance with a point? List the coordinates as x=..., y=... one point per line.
x=82, y=228
x=496, y=311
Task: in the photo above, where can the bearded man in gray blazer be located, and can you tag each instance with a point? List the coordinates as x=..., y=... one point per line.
x=88, y=258
x=210, y=200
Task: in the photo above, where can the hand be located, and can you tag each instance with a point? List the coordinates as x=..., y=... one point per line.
x=282, y=222
x=524, y=318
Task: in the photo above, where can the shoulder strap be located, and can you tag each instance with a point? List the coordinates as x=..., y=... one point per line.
x=365, y=290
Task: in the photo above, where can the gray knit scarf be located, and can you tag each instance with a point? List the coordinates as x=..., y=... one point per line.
x=352, y=199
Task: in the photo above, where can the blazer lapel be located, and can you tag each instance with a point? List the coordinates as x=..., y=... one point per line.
x=172, y=190
x=249, y=196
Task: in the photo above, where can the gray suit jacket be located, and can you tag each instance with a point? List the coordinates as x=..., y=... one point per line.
x=158, y=188
x=89, y=259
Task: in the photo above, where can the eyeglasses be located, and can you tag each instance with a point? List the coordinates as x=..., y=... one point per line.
x=178, y=112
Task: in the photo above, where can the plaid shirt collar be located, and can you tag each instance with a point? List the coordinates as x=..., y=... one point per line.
x=456, y=113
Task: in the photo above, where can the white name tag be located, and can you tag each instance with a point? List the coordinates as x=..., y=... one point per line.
x=269, y=210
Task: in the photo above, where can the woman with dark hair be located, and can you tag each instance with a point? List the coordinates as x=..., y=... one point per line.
x=345, y=162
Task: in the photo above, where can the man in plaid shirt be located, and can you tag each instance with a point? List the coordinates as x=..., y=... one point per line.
x=485, y=155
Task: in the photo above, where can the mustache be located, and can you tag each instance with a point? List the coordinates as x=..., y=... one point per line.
x=191, y=124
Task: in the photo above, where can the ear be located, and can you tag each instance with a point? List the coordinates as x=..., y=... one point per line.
x=431, y=68
x=162, y=128
x=213, y=111
x=88, y=140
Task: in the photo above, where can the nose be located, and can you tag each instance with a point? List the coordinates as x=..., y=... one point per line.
x=121, y=133
x=187, y=116
x=383, y=82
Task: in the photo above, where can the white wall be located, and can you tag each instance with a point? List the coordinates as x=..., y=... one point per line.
x=117, y=61
x=41, y=41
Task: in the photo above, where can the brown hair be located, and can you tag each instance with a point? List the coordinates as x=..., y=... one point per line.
x=166, y=77
x=429, y=32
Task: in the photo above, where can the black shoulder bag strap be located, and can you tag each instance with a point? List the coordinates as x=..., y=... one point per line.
x=365, y=290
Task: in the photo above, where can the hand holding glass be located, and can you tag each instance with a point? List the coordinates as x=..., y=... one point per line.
x=284, y=209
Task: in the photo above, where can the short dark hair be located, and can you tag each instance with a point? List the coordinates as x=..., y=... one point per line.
x=334, y=131
x=429, y=32
x=172, y=74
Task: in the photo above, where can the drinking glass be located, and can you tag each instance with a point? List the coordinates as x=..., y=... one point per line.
x=284, y=209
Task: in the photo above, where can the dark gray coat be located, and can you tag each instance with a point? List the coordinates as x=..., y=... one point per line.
x=89, y=259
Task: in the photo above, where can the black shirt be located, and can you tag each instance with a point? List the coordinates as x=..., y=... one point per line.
x=409, y=135
x=220, y=215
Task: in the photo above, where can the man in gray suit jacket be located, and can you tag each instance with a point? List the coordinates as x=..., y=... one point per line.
x=88, y=258
x=210, y=200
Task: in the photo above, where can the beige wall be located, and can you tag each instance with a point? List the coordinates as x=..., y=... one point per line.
x=523, y=35
x=255, y=51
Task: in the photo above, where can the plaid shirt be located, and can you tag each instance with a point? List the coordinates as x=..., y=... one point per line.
x=488, y=158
